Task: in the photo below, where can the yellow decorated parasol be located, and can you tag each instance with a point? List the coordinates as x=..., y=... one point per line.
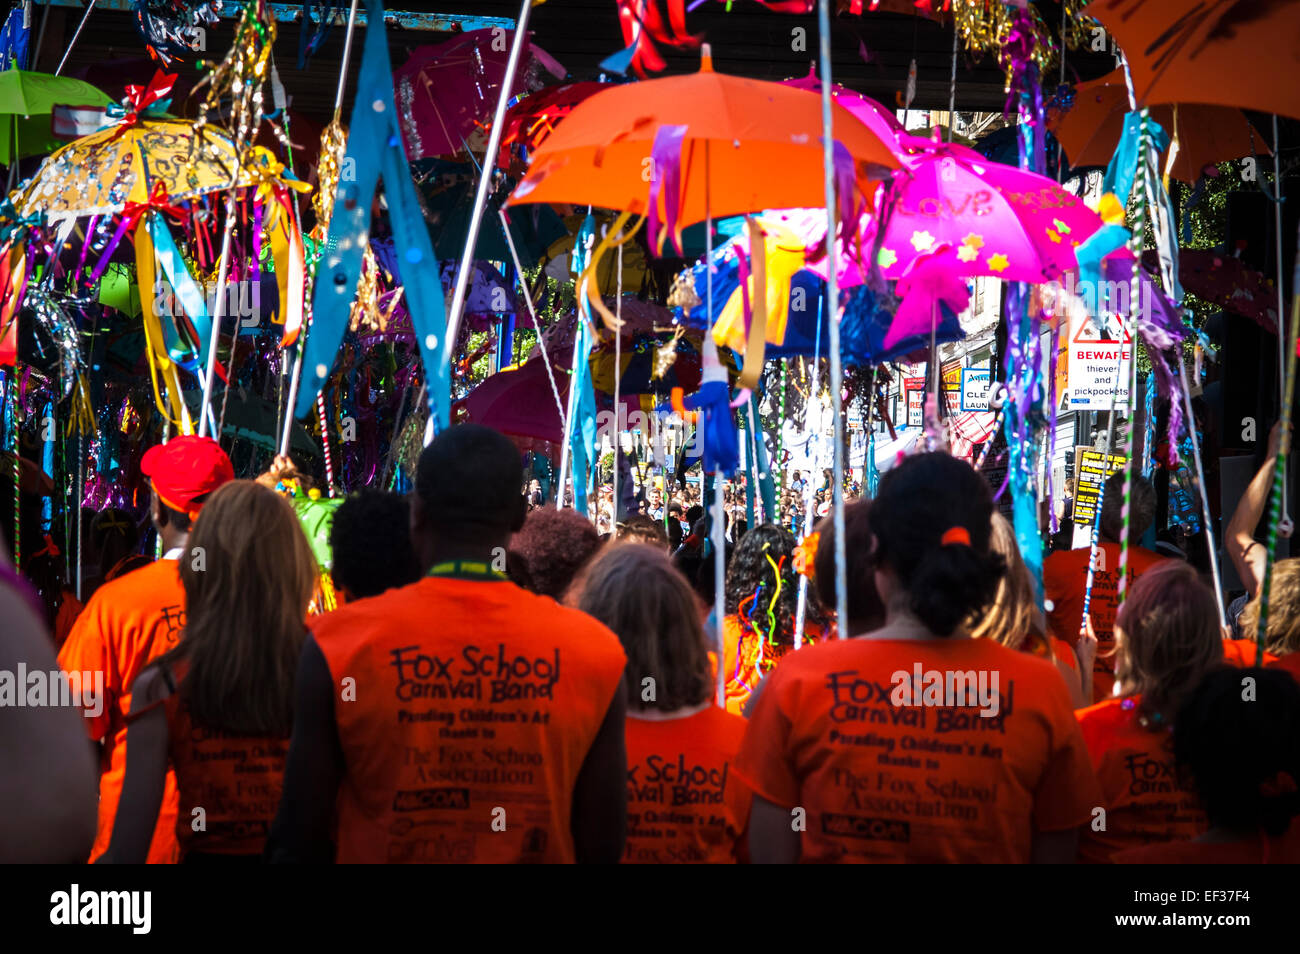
x=98, y=174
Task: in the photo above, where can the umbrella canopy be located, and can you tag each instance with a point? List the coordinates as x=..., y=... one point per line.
x=529, y=121
x=879, y=119
x=446, y=92
x=26, y=101
x=518, y=401
x=1220, y=52
x=100, y=173
x=1227, y=282
x=762, y=142
x=639, y=318
x=559, y=254
x=447, y=188
x=1091, y=129
x=1002, y=221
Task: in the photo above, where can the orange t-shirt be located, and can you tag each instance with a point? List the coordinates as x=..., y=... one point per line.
x=1259, y=851
x=1288, y=663
x=1065, y=574
x=1140, y=792
x=129, y=622
x=1243, y=653
x=237, y=781
x=465, y=710
x=881, y=780
x=682, y=805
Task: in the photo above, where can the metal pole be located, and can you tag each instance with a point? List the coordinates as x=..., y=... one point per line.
x=485, y=178
x=218, y=312
x=68, y=51
x=1281, y=304
x=1200, y=484
x=347, y=53
x=832, y=289
x=301, y=346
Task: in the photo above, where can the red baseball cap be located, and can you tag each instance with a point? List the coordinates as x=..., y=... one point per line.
x=184, y=469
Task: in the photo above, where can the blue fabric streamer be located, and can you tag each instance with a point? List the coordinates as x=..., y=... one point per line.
x=188, y=294
x=375, y=146
x=14, y=37
x=582, y=439
x=721, y=449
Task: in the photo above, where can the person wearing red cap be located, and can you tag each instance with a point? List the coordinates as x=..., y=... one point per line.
x=137, y=617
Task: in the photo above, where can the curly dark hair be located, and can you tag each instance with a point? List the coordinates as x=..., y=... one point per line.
x=370, y=539
x=1242, y=756
x=751, y=580
x=549, y=550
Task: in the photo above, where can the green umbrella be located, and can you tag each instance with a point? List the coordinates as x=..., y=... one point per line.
x=26, y=101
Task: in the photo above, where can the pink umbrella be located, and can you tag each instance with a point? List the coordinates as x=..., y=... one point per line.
x=519, y=402
x=1001, y=221
x=446, y=93
x=879, y=119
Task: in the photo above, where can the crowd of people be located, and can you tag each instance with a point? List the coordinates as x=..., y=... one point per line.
x=505, y=681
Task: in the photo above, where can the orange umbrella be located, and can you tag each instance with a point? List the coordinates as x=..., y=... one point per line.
x=1206, y=135
x=762, y=141
x=1221, y=52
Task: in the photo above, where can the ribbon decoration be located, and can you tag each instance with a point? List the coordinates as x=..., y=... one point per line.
x=375, y=146
x=642, y=26
x=582, y=434
x=717, y=428
x=756, y=342
x=166, y=347
x=616, y=236
x=284, y=231
x=13, y=282
x=141, y=101
x=666, y=187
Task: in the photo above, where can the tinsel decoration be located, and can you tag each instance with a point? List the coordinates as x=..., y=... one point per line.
x=666, y=354
x=333, y=146
x=986, y=26
x=240, y=77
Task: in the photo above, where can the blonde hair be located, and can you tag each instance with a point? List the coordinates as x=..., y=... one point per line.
x=1008, y=619
x=1283, y=634
x=1166, y=638
x=248, y=574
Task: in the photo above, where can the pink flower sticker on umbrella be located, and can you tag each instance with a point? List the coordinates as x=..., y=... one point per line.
x=1001, y=221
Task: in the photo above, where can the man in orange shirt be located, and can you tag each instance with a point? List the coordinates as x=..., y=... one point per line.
x=1065, y=575
x=460, y=718
x=135, y=618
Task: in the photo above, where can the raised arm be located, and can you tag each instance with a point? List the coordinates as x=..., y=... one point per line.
x=1247, y=554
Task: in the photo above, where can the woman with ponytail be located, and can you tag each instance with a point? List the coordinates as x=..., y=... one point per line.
x=914, y=742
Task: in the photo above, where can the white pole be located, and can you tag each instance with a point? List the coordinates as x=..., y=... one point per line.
x=1281, y=305
x=837, y=371
x=347, y=54
x=300, y=346
x=485, y=178
x=568, y=415
x=618, y=354
x=218, y=312
x=68, y=52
